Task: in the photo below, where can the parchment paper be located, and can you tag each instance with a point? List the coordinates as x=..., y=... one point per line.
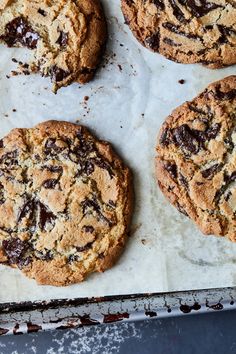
x=128, y=101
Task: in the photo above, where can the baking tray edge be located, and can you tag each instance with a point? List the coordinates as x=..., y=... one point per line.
x=28, y=317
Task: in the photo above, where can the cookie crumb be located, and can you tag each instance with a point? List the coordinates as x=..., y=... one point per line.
x=120, y=67
x=144, y=241
x=181, y=81
x=86, y=98
x=14, y=73
x=14, y=110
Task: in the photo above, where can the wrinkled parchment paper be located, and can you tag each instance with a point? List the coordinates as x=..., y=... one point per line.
x=128, y=101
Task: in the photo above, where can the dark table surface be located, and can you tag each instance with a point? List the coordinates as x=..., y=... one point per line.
x=210, y=333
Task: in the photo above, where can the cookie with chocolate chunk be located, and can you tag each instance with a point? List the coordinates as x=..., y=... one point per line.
x=196, y=159
x=185, y=31
x=67, y=37
x=65, y=203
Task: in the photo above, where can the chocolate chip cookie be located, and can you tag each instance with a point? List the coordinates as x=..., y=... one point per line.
x=67, y=37
x=196, y=159
x=65, y=203
x=186, y=31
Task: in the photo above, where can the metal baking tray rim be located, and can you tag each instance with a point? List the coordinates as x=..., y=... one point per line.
x=28, y=317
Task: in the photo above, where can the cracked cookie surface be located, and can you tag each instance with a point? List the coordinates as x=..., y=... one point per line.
x=67, y=36
x=186, y=31
x=196, y=159
x=65, y=203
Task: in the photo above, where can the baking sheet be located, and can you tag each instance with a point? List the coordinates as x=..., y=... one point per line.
x=128, y=101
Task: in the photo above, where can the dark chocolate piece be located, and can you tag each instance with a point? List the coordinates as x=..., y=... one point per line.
x=15, y=250
x=50, y=183
x=19, y=31
x=172, y=169
x=62, y=39
x=210, y=172
x=199, y=8
x=42, y=12
x=58, y=74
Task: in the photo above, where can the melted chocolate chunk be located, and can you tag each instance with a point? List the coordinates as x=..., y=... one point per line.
x=112, y=204
x=8, y=231
x=84, y=148
x=51, y=148
x=27, y=210
x=50, y=183
x=210, y=172
x=36, y=213
x=171, y=42
x=104, y=165
x=197, y=109
x=91, y=205
x=88, y=229
x=211, y=132
x=19, y=31
x=16, y=250
x=45, y=216
x=185, y=138
x=56, y=169
x=172, y=169
x=37, y=157
x=80, y=133
x=9, y=158
x=226, y=32
x=84, y=248
x=228, y=195
x=181, y=209
x=159, y=4
x=1, y=143
x=42, y=12
x=73, y=258
x=176, y=29
x=228, y=179
x=24, y=262
x=87, y=167
x=62, y=39
x=2, y=199
x=219, y=194
x=183, y=180
x=231, y=178
x=45, y=256
x=223, y=96
x=58, y=74
x=193, y=140
x=166, y=138
x=177, y=11
x=153, y=41
x=199, y=8
x=229, y=144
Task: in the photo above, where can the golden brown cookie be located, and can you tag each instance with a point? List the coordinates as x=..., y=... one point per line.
x=186, y=31
x=65, y=203
x=196, y=159
x=67, y=37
